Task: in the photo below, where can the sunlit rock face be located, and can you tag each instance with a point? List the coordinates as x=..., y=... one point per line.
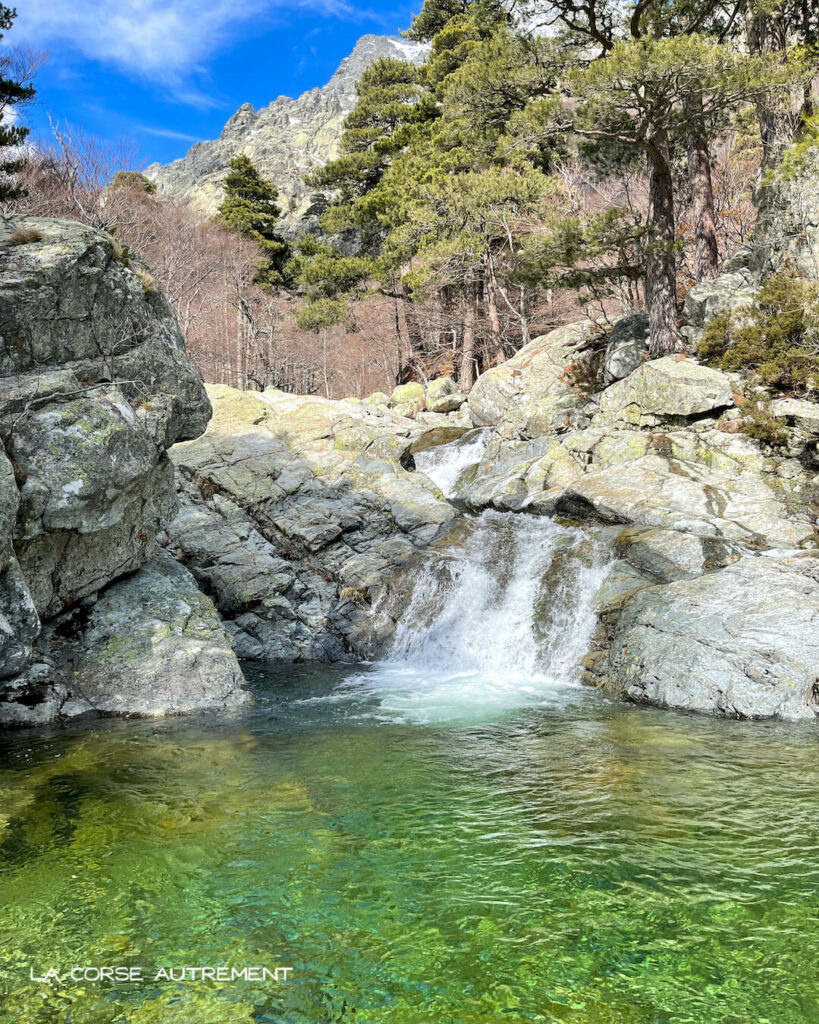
x=285, y=139
x=95, y=385
x=293, y=509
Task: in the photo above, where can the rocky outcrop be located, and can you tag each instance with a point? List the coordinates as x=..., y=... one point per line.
x=285, y=140
x=532, y=394
x=713, y=535
x=95, y=385
x=786, y=238
x=741, y=642
x=292, y=510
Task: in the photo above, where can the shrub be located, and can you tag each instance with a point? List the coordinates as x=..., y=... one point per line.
x=24, y=236
x=776, y=339
x=119, y=252
x=759, y=423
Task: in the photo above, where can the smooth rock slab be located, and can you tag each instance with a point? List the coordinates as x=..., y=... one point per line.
x=742, y=642
x=153, y=644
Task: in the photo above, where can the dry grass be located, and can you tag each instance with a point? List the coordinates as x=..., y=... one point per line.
x=119, y=252
x=24, y=236
x=148, y=282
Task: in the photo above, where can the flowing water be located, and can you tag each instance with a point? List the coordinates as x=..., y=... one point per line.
x=444, y=463
x=462, y=835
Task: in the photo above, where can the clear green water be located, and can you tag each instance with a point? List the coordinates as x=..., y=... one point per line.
x=577, y=861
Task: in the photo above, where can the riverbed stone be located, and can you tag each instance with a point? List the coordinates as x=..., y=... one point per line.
x=537, y=376
x=153, y=644
x=292, y=509
x=742, y=642
x=443, y=395
x=408, y=399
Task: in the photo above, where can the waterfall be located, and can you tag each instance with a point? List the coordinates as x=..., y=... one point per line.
x=444, y=463
x=495, y=622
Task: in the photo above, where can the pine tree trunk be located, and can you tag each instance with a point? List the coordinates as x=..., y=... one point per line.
x=661, y=270
x=706, y=253
x=492, y=309
x=466, y=376
x=765, y=33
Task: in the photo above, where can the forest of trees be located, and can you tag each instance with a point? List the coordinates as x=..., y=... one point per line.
x=547, y=162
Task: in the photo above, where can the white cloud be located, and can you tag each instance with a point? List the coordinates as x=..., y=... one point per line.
x=159, y=39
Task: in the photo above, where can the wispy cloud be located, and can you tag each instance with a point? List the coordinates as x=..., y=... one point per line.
x=162, y=40
x=168, y=133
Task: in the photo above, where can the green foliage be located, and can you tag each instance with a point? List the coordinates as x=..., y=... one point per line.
x=776, y=340
x=250, y=208
x=759, y=423
x=321, y=315
x=324, y=271
x=12, y=135
x=135, y=181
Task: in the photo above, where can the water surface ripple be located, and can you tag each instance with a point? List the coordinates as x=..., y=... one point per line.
x=576, y=861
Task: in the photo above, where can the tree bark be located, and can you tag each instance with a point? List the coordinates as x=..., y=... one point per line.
x=661, y=269
x=466, y=375
x=706, y=252
x=765, y=33
x=492, y=310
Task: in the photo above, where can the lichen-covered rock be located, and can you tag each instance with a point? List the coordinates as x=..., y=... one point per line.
x=741, y=642
x=532, y=388
x=73, y=301
x=802, y=414
x=731, y=291
x=443, y=395
x=661, y=492
x=408, y=399
x=94, y=386
x=627, y=346
x=664, y=389
x=293, y=509
x=153, y=644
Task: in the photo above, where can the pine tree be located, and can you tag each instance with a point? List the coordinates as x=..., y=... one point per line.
x=11, y=135
x=250, y=208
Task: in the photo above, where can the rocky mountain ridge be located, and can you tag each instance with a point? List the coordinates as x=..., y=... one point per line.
x=285, y=139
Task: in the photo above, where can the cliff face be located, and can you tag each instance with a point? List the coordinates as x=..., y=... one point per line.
x=285, y=140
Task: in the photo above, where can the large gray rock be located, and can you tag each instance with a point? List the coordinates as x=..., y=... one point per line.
x=532, y=393
x=664, y=389
x=741, y=642
x=443, y=395
x=627, y=346
x=293, y=511
x=731, y=292
x=153, y=644
x=94, y=386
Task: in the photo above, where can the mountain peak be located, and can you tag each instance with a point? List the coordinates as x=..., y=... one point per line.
x=286, y=139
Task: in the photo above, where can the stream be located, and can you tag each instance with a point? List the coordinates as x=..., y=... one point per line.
x=462, y=834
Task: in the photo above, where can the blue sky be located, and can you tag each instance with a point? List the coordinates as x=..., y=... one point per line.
x=167, y=74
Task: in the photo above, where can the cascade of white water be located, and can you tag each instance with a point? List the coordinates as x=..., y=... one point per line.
x=498, y=622
x=444, y=463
